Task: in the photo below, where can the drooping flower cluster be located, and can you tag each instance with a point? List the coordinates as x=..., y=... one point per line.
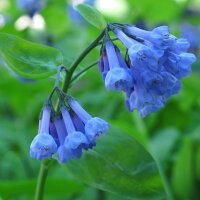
x=66, y=133
x=157, y=60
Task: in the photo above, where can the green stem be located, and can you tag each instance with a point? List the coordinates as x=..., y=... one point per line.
x=112, y=39
x=46, y=163
x=75, y=64
x=42, y=179
x=84, y=70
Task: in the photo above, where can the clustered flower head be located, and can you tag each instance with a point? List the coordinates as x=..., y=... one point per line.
x=156, y=63
x=67, y=132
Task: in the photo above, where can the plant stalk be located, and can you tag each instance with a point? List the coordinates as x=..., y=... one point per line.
x=75, y=64
x=42, y=177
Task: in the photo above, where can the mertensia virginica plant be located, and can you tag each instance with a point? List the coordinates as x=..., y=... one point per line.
x=147, y=66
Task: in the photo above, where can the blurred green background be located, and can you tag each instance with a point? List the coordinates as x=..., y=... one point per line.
x=171, y=136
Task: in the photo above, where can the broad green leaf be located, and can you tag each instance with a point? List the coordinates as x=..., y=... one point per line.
x=182, y=180
x=92, y=15
x=163, y=142
x=120, y=165
x=54, y=186
x=28, y=59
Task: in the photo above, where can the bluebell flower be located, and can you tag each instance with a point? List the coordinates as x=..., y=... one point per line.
x=140, y=53
x=181, y=45
x=62, y=156
x=159, y=37
x=75, y=141
x=43, y=145
x=94, y=126
x=144, y=102
x=80, y=126
x=157, y=61
x=117, y=78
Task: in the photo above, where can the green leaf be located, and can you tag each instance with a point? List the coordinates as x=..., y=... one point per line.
x=92, y=15
x=55, y=186
x=29, y=59
x=182, y=180
x=120, y=165
x=163, y=142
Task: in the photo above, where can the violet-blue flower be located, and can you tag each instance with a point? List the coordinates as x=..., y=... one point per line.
x=158, y=60
x=139, y=54
x=159, y=37
x=75, y=140
x=117, y=78
x=179, y=64
x=43, y=145
x=94, y=126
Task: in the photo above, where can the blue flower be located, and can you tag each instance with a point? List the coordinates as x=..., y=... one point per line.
x=62, y=156
x=145, y=102
x=75, y=141
x=141, y=55
x=94, y=126
x=118, y=77
x=43, y=145
x=179, y=64
x=159, y=37
x=157, y=62
x=181, y=45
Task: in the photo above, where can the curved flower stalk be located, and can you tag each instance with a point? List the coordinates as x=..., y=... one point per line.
x=157, y=61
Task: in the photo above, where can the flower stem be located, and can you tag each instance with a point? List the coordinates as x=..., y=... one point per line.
x=75, y=64
x=84, y=70
x=46, y=163
x=42, y=179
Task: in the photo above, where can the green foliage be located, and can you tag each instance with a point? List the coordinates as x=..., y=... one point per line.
x=92, y=15
x=28, y=59
x=119, y=164
x=162, y=150
x=55, y=186
x=182, y=179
